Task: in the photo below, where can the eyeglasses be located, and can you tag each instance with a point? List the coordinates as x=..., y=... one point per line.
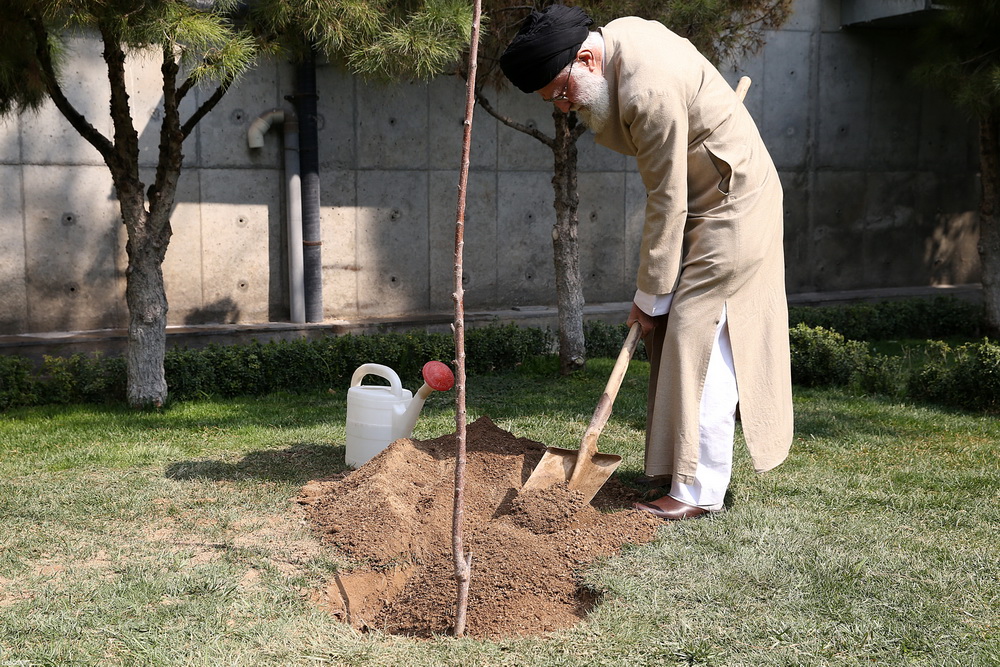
x=561, y=97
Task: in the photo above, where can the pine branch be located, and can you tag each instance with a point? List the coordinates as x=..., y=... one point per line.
x=126, y=139
x=44, y=54
x=169, y=163
x=186, y=86
x=207, y=106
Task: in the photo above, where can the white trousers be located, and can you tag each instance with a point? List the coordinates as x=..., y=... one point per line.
x=717, y=428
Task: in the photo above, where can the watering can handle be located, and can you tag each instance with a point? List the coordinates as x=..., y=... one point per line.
x=381, y=371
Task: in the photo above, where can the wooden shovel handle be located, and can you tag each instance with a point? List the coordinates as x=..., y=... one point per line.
x=742, y=86
x=588, y=447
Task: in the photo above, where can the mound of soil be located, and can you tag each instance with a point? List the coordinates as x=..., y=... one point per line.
x=393, y=518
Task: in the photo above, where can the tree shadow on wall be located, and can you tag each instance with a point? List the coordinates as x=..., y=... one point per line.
x=222, y=311
x=298, y=463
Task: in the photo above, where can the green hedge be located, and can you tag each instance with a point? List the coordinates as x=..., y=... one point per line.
x=826, y=350
x=967, y=377
x=824, y=358
x=940, y=317
x=17, y=383
x=329, y=362
x=821, y=354
x=261, y=368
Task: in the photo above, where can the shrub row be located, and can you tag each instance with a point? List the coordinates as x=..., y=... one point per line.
x=920, y=319
x=257, y=368
x=965, y=377
x=826, y=352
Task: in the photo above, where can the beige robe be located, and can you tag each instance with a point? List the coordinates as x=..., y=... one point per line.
x=712, y=236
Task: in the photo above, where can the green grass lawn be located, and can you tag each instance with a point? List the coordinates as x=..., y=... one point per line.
x=170, y=538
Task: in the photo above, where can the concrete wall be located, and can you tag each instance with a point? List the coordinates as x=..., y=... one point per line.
x=879, y=180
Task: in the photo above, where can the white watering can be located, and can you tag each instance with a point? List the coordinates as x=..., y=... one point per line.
x=378, y=415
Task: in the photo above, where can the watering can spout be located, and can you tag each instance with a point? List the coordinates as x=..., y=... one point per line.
x=437, y=377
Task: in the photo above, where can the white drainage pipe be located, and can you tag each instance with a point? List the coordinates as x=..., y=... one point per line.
x=255, y=139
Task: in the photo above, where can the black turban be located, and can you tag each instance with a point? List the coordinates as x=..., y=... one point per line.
x=545, y=44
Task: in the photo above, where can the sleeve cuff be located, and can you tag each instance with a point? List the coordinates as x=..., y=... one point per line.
x=653, y=304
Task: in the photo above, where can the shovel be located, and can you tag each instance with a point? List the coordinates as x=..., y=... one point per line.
x=586, y=470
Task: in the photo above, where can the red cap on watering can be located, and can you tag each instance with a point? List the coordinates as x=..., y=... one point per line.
x=438, y=376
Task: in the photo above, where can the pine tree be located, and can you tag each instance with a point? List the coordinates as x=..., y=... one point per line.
x=199, y=42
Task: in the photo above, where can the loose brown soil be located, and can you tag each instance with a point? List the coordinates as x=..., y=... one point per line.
x=393, y=518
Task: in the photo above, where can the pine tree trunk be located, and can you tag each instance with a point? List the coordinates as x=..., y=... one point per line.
x=147, y=301
x=566, y=247
x=989, y=225
x=148, y=230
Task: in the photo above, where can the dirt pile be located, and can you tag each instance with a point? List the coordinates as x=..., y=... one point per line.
x=393, y=517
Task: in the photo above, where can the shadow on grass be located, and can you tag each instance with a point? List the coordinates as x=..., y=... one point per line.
x=299, y=463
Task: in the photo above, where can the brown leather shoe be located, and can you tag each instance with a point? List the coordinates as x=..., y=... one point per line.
x=671, y=509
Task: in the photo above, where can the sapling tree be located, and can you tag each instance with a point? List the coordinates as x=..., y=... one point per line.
x=462, y=559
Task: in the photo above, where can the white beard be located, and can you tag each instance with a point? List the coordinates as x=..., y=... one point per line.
x=593, y=100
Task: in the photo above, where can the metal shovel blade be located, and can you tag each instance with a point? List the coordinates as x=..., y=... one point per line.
x=557, y=466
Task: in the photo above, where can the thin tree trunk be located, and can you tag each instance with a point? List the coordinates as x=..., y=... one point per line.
x=989, y=225
x=566, y=246
x=462, y=560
